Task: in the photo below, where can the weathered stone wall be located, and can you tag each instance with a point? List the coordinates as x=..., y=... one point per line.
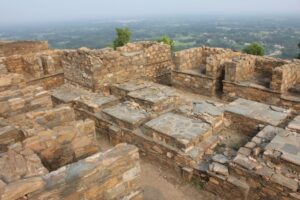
x=263, y=79
x=113, y=174
x=267, y=64
x=9, y=48
x=285, y=77
x=97, y=69
x=267, y=166
x=17, y=98
x=240, y=68
x=10, y=81
x=41, y=67
x=197, y=83
x=200, y=70
x=207, y=58
x=188, y=59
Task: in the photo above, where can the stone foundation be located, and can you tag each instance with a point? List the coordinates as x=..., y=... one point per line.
x=240, y=150
x=113, y=174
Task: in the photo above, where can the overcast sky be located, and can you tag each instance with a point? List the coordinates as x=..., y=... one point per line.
x=28, y=11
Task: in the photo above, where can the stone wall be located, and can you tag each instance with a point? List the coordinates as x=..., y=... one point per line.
x=196, y=57
x=113, y=174
x=56, y=136
x=9, y=48
x=267, y=64
x=241, y=68
x=40, y=67
x=17, y=98
x=285, y=77
x=97, y=69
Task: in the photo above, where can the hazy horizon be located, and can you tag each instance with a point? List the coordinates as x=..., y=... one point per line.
x=36, y=11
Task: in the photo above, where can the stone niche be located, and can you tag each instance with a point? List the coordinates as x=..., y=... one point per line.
x=98, y=69
x=201, y=70
x=267, y=80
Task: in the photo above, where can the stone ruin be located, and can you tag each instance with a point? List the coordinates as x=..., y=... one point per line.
x=225, y=120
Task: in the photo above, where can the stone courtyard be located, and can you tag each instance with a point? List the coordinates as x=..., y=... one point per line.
x=228, y=121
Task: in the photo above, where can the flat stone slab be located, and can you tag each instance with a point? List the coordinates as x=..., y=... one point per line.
x=288, y=144
x=68, y=94
x=209, y=111
x=126, y=115
x=295, y=125
x=155, y=97
x=264, y=113
x=95, y=102
x=122, y=89
x=177, y=130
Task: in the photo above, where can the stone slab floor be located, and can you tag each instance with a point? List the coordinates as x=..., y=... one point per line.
x=161, y=183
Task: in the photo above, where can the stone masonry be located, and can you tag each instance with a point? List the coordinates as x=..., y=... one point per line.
x=222, y=119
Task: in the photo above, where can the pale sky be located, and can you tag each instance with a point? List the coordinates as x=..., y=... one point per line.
x=28, y=11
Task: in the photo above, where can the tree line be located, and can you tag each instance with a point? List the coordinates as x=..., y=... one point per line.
x=123, y=36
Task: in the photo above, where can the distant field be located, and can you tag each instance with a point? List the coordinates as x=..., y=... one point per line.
x=279, y=36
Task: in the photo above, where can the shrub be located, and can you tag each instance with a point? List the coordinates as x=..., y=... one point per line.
x=254, y=49
x=167, y=40
x=123, y=37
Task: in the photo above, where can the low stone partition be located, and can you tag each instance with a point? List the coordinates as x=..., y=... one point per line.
x=9, y=48
x=98, y=69
x=114, y=174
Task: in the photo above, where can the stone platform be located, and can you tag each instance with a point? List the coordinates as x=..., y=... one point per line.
x=246, y=115
x=94, y=103
x=155, y=98
x=128, y=115
x=67, y=94
x=122, y=89
x=177, y=131
x=209, y=111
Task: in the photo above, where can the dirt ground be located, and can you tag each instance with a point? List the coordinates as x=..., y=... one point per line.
x=164, y=184
x=161, y=183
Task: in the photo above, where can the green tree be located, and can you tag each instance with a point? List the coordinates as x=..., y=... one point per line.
x=254, y=49
x=167, y=40
x=123, y=37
